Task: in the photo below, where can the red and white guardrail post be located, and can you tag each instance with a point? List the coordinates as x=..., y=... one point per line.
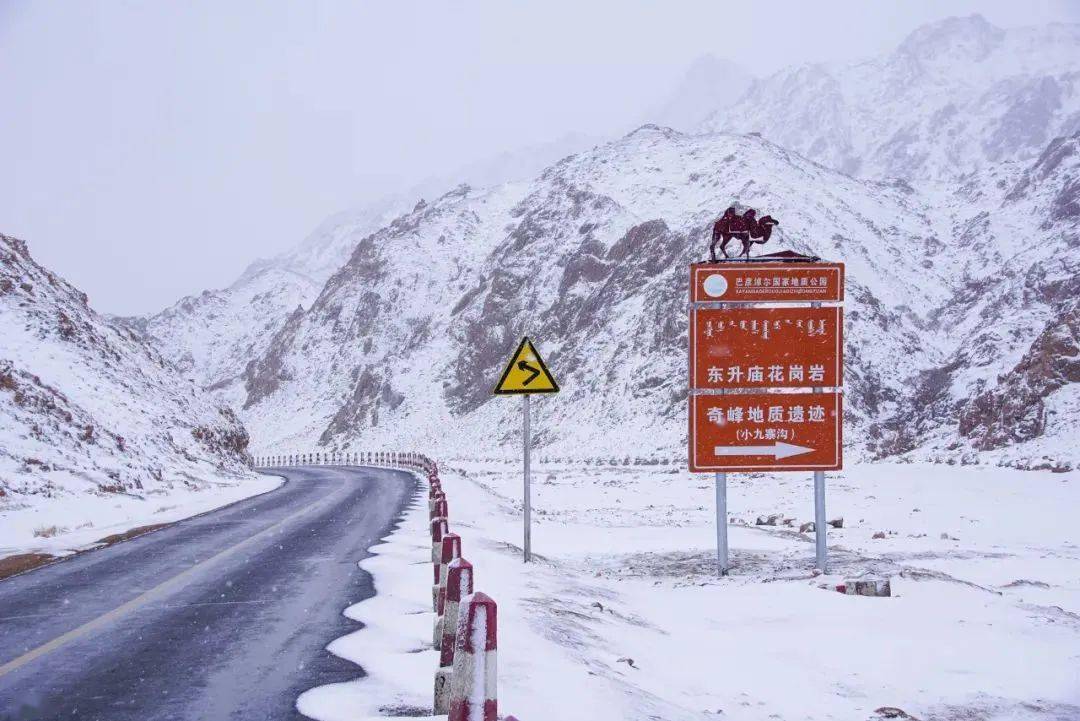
x=459, y=583
x=473, y=688
x=450, y=549
x=439, y=528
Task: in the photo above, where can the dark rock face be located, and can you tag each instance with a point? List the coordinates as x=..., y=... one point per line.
x=1014, y=410
x=593, y=281
x=485, y=341
x=228, y=439
x=264, y=376
x=361, y=408
x=1059, y=155
x=1067, y=202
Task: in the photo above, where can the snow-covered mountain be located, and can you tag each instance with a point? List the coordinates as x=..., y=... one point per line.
x=212, y=336
x=404, y=342
x=955, y=97
x=961, y=314
x=1009, y=386
x=86, y=406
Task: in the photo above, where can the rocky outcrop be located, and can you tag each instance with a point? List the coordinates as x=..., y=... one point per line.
x=1014, y=410
x=88, y=406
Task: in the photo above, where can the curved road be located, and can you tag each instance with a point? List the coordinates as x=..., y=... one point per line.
x=221, y=616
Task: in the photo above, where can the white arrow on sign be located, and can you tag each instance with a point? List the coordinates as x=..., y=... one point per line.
x=778, y=450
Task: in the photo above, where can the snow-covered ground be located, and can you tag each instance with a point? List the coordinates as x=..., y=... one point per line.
x=984, y=622
x=68, y=523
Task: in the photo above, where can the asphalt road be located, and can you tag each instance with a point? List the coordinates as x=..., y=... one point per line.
x=220, y=617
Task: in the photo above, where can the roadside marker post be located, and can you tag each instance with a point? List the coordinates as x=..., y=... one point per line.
x=459, y=584
x=766, y=375
x=524, y=375
x=474, y=685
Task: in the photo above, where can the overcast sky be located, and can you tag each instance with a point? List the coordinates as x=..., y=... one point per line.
x=153, y=149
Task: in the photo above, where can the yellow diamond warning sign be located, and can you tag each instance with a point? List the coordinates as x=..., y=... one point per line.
x=526, y=373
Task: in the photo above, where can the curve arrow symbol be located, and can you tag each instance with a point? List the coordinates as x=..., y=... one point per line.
x=522, y=365
x=778, y=450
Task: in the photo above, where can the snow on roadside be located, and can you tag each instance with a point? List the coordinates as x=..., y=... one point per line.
x=621, y=617
x=394, y=647
x=68, y=523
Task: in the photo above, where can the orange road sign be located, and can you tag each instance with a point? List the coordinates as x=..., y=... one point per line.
x=766, y=432
x=766, y=282
x=744, y=347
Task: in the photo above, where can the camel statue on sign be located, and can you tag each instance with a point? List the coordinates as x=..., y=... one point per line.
x=746, y=228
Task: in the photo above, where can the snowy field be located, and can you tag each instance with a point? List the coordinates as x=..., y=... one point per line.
x=66, y=523
x=622, y=616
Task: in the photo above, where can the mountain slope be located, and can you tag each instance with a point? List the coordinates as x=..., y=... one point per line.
x=86, y=406
x=955, y=97
x=212, y=336
x=1009, y=387
x=961, y=319
x=404, y=342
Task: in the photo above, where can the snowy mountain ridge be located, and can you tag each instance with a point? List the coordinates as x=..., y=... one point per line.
x=955, y=97
x=88, y=407
x=590, y=259
x=959, y=276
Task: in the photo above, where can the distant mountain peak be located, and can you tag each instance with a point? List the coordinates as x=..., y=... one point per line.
x=957, y=96
x=970, y=38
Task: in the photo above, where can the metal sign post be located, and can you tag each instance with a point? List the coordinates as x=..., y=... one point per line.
x=721, y=512
x=526, y=433
x=819, y=518
x=819, y=506
x=721, y=523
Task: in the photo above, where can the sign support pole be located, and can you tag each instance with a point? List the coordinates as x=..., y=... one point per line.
x=819, y=518
x=819, y=507
x=526, y=432
x=721, y=523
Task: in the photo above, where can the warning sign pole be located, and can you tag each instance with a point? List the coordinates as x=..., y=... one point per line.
x=524, y=375
x=526, y=433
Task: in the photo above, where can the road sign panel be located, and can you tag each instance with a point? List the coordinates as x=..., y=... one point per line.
x=766, y=432
x=762, y=282
x=526, y=373
x=766, y=347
